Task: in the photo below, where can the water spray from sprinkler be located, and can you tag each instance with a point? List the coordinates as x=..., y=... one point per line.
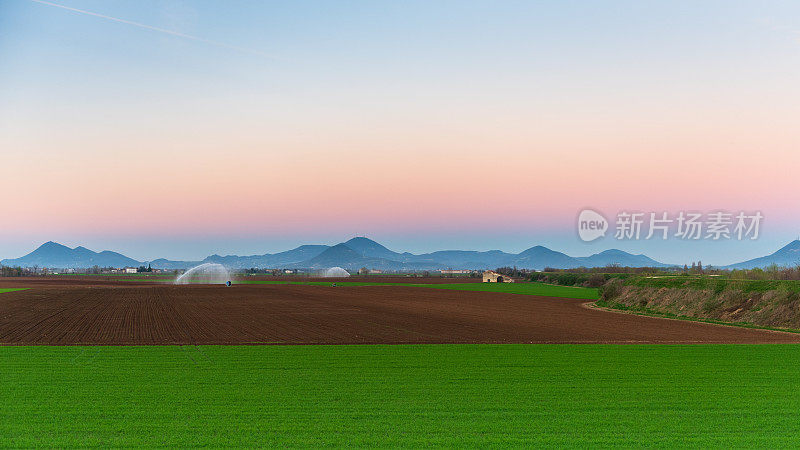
x=208, y=273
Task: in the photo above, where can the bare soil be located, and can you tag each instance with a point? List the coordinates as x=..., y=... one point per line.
x=90, y=311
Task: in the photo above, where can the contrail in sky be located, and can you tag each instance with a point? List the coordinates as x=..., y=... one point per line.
x=152, y=28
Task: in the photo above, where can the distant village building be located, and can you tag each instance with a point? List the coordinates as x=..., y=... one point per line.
x=494, y=277
x=365, y=271
x=130, y=270
x=454, y=272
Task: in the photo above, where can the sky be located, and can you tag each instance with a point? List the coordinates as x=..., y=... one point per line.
x=178, y=129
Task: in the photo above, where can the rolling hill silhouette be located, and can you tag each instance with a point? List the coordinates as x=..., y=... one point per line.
x=353, y=254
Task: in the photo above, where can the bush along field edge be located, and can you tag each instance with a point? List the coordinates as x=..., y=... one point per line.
x=764, y=304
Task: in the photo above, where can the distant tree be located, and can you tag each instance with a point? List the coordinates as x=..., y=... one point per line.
x=143, y=269
x=595, y=280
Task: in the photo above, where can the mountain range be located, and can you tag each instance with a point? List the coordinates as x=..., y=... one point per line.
x=362, y=252
x=52, y=254
x=351, y=255
x=788, y=256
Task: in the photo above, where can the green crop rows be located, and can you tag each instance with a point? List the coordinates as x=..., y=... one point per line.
x=407, y=395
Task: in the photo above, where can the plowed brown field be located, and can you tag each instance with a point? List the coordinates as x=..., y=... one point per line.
x=101, y=313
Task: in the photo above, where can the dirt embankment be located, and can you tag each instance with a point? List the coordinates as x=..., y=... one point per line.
x=774, y=308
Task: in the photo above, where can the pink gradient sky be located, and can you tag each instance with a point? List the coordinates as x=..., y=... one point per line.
x=405, y=124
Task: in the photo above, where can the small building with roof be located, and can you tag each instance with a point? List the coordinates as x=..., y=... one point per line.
x=490, y=276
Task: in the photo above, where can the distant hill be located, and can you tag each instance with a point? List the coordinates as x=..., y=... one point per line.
x=371, y=249
x=456, y=259
x=343, y=256
x=297, y=255
x=352, y=255
x=540, y=257
x=52, y=254
x=787, y=256
x=618, y=257
x=288, y=258
x=167, y=264
x=339, y=255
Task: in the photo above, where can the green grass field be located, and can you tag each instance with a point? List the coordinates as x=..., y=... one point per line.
x=549, y=290
x=11, y=290
x=444, y=395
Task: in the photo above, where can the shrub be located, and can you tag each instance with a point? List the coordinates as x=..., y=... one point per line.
x=567, y=279
x=595, y=280
x=611, y=289
x=710, y=305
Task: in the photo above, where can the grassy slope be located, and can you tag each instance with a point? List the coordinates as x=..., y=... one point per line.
x=456, y=395
x=645, y=311
x=550, y=290
x=713, y=283
x=771, y=304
